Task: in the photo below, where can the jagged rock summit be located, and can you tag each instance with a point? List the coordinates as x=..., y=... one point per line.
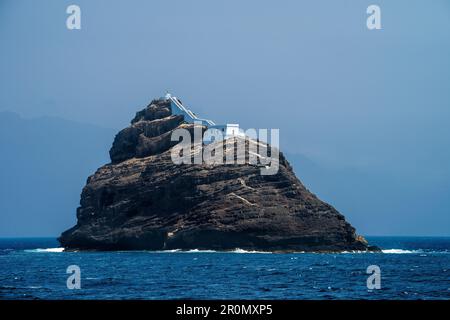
x=142, y=200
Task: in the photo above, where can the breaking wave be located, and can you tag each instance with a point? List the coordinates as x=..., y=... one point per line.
x=238, y=250
x=54, y=250
x=400, y=251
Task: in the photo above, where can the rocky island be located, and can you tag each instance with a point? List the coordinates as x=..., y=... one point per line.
x=142, y=200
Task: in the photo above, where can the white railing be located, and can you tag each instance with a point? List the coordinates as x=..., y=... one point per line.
x=187, y=111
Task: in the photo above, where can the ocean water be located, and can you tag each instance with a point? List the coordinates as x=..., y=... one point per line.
x=411, y=268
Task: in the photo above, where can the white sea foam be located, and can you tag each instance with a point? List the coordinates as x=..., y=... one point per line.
x=197, y=250
x=400, y=251
x=47, y=250
x=238, y=250
x=183, y=251
x=353, y=251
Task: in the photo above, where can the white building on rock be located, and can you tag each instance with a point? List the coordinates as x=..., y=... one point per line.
x=214, y=131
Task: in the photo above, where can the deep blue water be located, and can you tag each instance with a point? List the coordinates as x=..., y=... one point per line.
x=411, y=268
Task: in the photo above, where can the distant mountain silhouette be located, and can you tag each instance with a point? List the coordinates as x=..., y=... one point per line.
x=44, y=163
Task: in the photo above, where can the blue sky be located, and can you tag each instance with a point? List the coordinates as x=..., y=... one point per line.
x=347, y=98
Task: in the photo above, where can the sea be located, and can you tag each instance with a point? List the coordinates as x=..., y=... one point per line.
x=408, y=268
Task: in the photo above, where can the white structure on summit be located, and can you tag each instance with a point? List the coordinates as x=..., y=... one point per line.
x=224, y=131
x=178, y=108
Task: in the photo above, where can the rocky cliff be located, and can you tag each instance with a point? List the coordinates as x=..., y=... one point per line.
x=142, y=200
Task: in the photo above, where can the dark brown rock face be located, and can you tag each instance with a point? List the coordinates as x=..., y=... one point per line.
x=142, y=200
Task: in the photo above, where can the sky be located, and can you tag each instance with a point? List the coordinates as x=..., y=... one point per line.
x=365, y=102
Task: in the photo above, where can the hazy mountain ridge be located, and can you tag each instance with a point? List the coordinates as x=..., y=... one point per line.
x=44, y=162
